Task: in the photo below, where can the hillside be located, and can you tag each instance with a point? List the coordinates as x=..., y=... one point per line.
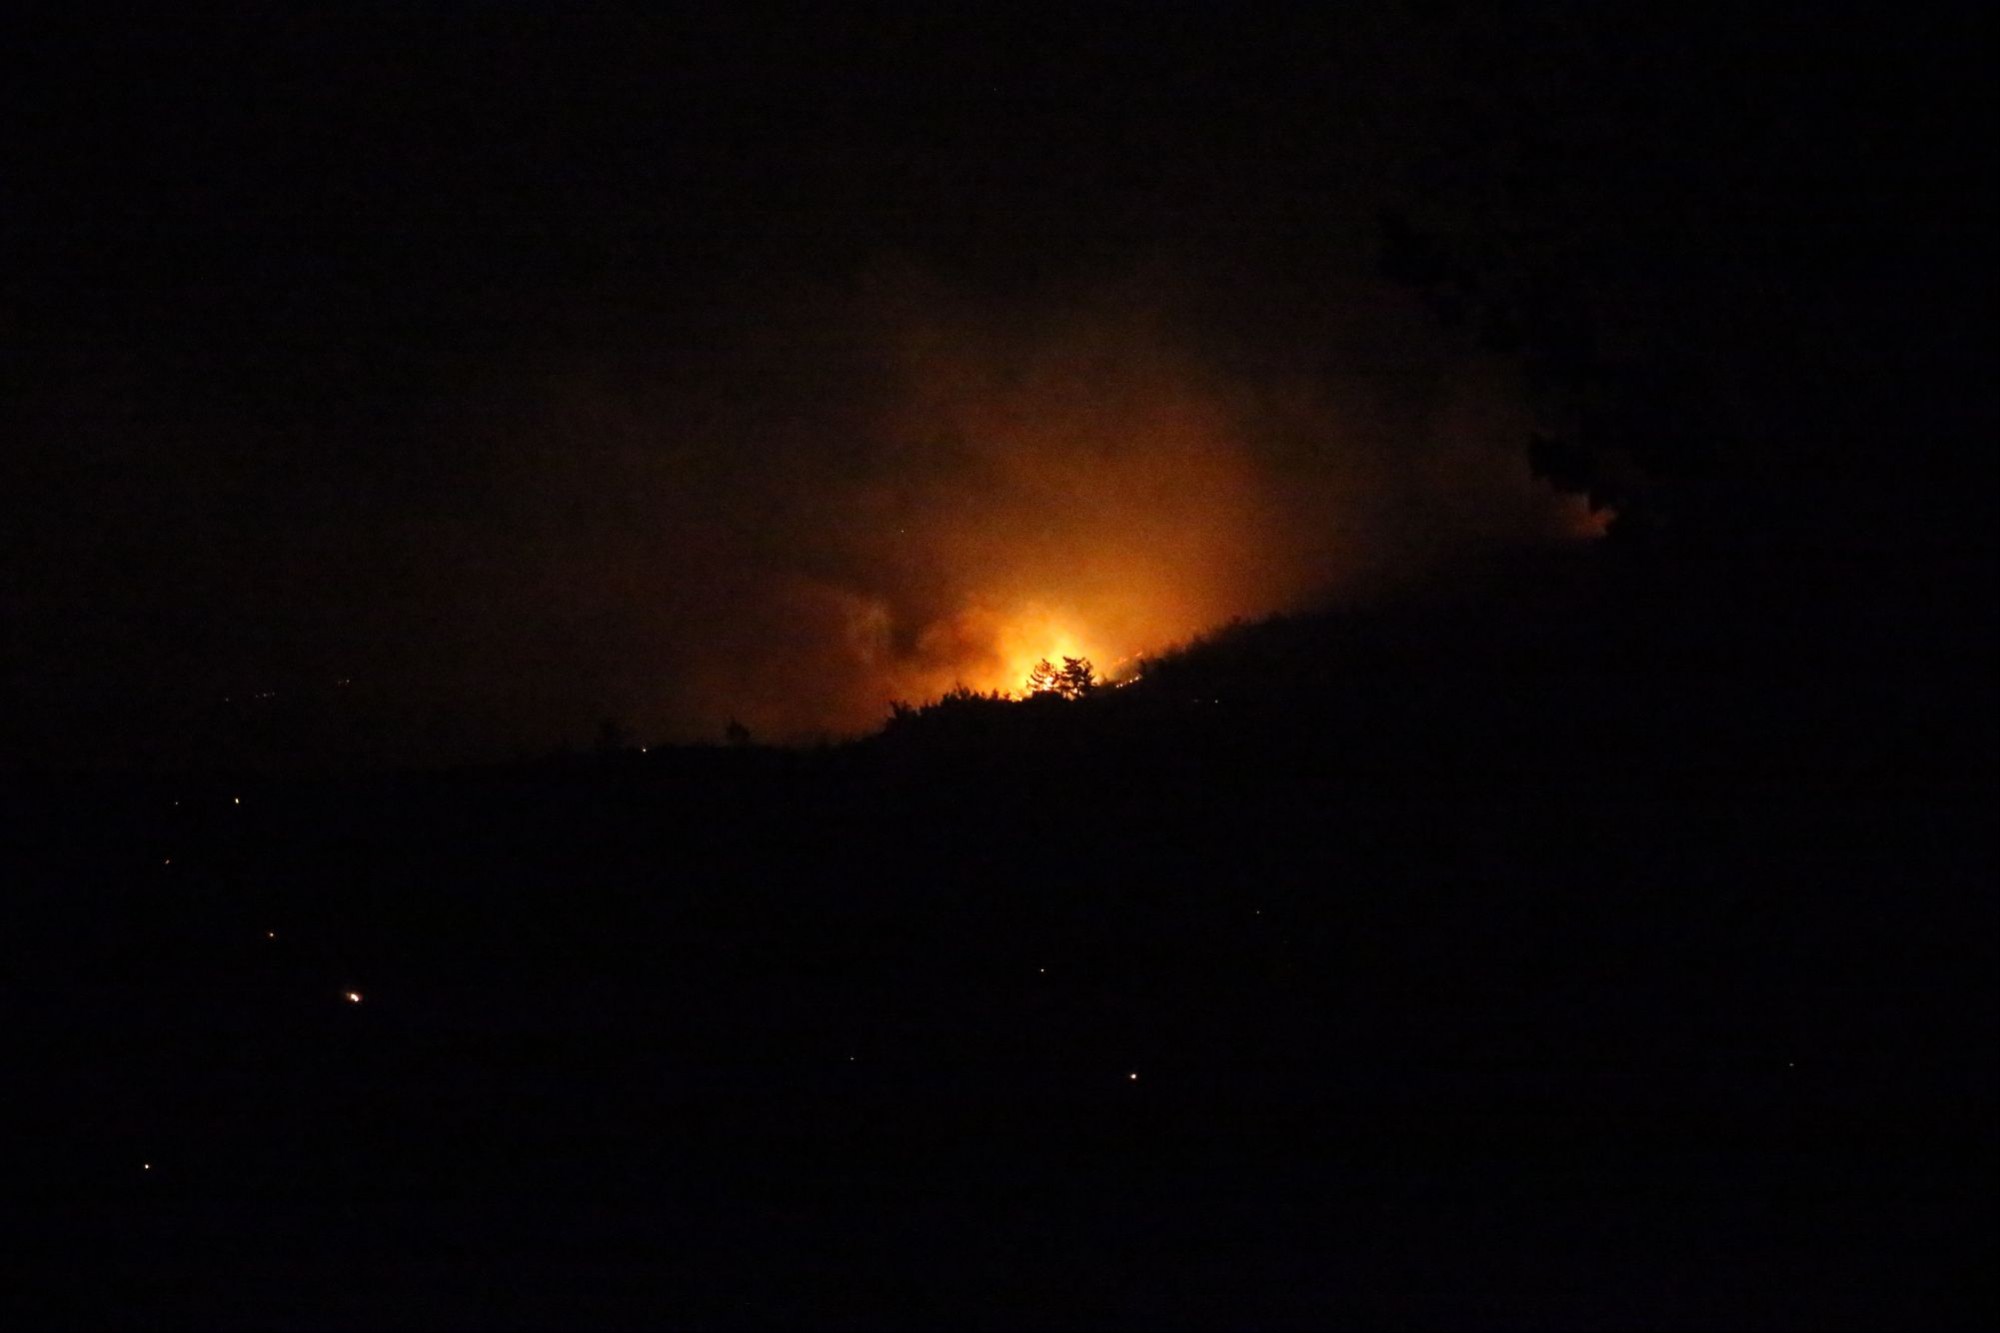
x=1461, y=962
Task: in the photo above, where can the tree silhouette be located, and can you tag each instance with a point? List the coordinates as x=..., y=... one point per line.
x=736, y=733
x=1078, y=678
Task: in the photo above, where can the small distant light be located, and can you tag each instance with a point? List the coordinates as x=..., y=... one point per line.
x=1132, y=1078
x=145, y=1166
x=236, y=800
x=642, y=749
x=354, y=997
x=270, y=934
x=169, y=861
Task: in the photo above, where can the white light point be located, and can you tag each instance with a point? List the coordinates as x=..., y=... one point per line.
x=1132, y=1078
x=354, y=997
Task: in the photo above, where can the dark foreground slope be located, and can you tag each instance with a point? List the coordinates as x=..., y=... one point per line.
x=1581, y=960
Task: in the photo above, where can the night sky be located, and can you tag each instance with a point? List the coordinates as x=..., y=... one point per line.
x=525, y=371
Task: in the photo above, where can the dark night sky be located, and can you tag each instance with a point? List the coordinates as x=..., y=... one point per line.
x=529, y=370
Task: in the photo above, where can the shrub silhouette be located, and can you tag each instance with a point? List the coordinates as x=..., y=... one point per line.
x=961, y=710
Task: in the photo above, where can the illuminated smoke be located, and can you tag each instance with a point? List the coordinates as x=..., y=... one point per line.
x=882, y=492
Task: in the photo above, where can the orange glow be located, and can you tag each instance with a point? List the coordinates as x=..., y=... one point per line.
x=1582, y=522
x=981, y=482
x=1035, y=635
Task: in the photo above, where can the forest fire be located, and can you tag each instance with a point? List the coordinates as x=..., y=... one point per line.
x=1036, y=637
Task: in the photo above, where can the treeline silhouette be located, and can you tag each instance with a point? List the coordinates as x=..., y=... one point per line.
x=1567, y=944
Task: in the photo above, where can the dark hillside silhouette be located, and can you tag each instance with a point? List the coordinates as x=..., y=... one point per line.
x=1569, y=957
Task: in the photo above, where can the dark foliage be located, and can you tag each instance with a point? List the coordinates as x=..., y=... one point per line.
x=1571, y=959
x=1043, y=678
x=1077, y=679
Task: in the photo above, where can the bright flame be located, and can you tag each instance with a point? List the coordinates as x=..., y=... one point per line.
x=1036, y=634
